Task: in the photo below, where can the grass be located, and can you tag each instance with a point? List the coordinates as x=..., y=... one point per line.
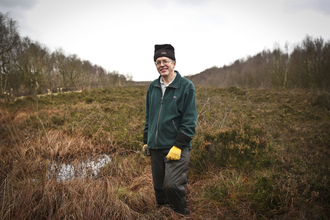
x=257, y=154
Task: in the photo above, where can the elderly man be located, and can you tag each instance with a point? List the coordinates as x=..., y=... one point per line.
x=170, y=124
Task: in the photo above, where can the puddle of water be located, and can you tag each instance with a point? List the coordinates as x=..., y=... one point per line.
x=85, y=169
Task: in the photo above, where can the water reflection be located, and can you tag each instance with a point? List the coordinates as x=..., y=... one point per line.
x=83, y=169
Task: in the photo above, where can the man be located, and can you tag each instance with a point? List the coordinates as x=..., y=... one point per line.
x=170, y=124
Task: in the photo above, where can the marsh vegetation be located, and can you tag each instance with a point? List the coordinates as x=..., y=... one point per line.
x=257, y=154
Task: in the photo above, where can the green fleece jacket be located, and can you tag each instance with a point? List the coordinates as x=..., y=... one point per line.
x=171, y=119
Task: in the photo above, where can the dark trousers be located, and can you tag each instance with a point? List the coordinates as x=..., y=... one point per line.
x=170, y=179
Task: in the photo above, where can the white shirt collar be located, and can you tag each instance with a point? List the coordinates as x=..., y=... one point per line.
x=162, y=82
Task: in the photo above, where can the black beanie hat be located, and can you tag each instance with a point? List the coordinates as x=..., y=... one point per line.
x=164, y=50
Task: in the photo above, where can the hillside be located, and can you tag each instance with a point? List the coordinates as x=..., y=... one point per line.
x=306, y=66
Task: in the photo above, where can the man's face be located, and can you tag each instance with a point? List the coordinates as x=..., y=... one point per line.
x=165, y=66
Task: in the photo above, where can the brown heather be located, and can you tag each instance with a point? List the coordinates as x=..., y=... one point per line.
x=257, y=154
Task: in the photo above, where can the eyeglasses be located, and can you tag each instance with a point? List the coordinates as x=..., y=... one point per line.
x=158, y=63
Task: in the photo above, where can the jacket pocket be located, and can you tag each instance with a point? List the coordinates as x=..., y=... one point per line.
x=175, y=126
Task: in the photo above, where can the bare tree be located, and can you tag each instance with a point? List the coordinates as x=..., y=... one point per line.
x=9, y=38
x=32, y=65
x=75, y=70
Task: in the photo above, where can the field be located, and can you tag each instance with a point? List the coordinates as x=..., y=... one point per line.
x=257, y=154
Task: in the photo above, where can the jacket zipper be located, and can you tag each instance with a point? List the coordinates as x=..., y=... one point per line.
x=161, y=104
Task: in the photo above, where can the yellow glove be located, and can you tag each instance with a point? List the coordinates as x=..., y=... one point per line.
x=174, y=154
x=145, y=150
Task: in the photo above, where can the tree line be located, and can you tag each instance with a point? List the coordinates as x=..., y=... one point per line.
x=28, y=68
x=306, y=66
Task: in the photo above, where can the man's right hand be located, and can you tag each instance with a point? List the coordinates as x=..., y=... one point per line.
x=145, y=150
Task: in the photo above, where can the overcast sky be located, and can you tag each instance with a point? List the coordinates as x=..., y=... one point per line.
x=120, y=34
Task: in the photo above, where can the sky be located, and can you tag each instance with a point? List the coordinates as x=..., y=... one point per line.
x=120, y=35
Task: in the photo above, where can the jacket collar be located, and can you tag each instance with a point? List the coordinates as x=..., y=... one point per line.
x=174, y=84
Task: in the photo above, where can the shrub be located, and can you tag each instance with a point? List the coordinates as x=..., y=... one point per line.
x=89, y=100
x=265, y=196
x=57, y=120
x=244, y=147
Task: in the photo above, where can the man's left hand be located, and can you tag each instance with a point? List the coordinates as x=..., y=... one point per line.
x=174, y=154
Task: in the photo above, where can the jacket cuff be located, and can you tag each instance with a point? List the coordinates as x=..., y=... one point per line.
x=145, y=137
x=182, y=140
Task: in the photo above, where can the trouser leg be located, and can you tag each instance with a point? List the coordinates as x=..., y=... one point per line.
x=158, y=174
x=170, y=179
x=175, y=181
